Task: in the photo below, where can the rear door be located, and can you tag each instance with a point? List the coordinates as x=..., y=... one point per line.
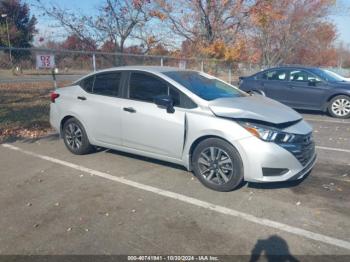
x=147, y=127
x=274, y=84
x=100, y=107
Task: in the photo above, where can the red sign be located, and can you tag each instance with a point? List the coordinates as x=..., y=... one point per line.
x=45, y=61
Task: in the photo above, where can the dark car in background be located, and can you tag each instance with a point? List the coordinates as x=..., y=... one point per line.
x=305, y=88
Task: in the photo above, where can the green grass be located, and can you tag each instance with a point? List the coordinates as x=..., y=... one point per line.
x=30, y=72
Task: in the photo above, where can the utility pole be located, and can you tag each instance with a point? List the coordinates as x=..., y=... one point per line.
x=8, y=35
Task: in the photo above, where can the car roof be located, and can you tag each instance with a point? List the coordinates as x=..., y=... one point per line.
x=155, y=69
x=285, y=67
x=291, y=67
x=150, y=69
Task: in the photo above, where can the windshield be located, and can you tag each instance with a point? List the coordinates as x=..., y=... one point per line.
x=328, y=76
x=335, y=74
x=203, y=85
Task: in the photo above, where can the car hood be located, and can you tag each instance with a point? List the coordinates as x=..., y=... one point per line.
x=254, y=107
x=342, y=84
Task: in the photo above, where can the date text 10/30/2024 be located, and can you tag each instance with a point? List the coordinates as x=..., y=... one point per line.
x=173, y=258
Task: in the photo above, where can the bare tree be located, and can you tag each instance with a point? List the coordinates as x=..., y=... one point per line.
x=117, y=21
x=204, y=20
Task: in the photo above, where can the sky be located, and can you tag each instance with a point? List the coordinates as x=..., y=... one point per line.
x=343, y=27
x=341, y=18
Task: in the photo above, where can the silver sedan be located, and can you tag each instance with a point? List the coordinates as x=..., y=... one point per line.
x=223, y=135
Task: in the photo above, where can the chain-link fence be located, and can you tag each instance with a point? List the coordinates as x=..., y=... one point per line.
x=26, y=78
x=20, y=62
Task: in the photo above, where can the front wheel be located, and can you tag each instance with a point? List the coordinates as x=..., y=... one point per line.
x=339, y=107
x=217, y=165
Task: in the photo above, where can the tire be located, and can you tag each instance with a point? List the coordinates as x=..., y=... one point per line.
x=258, y=92
x=75, y=138
x=223, y=177
x=255, y=92
x=339, y=107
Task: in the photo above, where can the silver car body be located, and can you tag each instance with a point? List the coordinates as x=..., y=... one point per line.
x=154, y=133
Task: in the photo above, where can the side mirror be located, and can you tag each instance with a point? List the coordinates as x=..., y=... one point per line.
x=312, y=82
x=165, y=101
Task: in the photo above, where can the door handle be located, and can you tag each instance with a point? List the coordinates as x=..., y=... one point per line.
x=129, y=109
x=81, y=98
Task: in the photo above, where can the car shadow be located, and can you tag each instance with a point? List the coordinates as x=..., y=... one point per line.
x=143, y=158
x=312, y=112
x=55, y=137
x=278, y=185
x=274, y=248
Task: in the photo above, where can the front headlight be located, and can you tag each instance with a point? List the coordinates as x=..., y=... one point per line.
x=268, y=134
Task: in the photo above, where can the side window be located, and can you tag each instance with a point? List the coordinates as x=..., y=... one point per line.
x=278, y=75
x=145, y=87
x=107, y=84
x=87, y=83
x=258, y=76
x=175, y=95
x=180, y=99
x=303, y=76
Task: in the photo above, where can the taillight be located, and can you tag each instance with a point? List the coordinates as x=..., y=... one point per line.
x=53, y=96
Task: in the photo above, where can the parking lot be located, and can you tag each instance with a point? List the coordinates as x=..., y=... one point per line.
x=53, y=202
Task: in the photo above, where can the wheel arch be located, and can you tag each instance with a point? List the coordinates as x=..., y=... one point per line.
x=70, y=115
x=63, y=121
x=325, y=107
x=199, y=140
x=259, y=91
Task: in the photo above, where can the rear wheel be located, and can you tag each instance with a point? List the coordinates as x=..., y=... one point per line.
x=339, y=107
x=75, y=137
x=217, y=165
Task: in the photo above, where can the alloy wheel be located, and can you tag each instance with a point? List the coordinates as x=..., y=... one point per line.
x=74, y=136
x=341, y=107
x=215, y=165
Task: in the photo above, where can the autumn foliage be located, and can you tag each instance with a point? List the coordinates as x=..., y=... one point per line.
x=261, y=32
x=264, y=32
x=267, y=32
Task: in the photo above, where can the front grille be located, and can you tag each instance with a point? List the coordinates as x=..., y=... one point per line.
x=302, y=147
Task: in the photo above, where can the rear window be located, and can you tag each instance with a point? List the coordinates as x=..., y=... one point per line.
x=203, y=85
x=102, y=84
x=87, y=83
x=279, y=75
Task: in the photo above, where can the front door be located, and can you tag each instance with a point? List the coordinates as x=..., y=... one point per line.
x=147, y=127
x=305, y=90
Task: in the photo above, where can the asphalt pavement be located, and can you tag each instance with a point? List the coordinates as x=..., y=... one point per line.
x=108, y=202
